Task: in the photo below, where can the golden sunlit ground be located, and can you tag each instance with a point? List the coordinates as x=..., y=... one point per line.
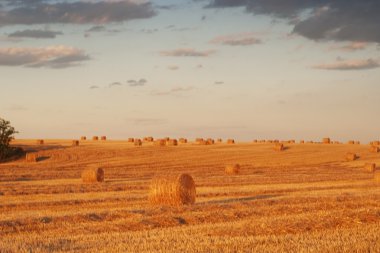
x=304, y=199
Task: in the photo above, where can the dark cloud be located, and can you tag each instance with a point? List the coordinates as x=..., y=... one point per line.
x=245, y=39
x=340, y=20
x=100, y=12
x=135, y=83
x=48, y=57
x=37, y=34
x=92, y=87
x=176, y=90
x=97, y=28
x=115, y=84
x=187, y=52
x=349, y=65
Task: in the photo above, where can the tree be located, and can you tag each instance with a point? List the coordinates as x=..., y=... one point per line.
x=6, y=136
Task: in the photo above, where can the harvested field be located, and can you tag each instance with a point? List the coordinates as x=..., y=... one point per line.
x=307, y=199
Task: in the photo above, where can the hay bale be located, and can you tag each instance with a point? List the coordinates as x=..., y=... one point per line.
x=351, y=142
x=103, y=138
x=167, y=138
x=230, y=141
x=376, y=143
x=375, y=149
x=326, y=140
x=149, y=139
x=232, y=169
x=173, y=190
x=351, y=157
x=75, y=143
x=131, y=139
x=254, y=141
x=31, y=157
x=159, y=142
x=302, y=142
x=279, y=147
x=83, y=138
x=197, y=140
x=182, y=140
x=357, y=142
x=376, y=176
x=40, y=142
x=202, y=142
x=138, y=142
x=370, y=167
x=95, y=138
x=172, y=142
x=210, y=141
x=93, y=175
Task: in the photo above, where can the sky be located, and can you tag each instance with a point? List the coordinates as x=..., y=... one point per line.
x=243, y=69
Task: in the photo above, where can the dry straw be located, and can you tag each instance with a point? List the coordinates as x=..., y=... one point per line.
x=173, y=190
x=95, y=138
x=351, y=157
x=83, y=138
x=232, y=169
x=370, y=167
x=31, y=157
x=230, y=141
x=93, y=175
x=375, y=149
x=75, y=143
x=376, y=176
x=326, y=141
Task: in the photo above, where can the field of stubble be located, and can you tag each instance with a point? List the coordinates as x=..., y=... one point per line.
x=304, y=199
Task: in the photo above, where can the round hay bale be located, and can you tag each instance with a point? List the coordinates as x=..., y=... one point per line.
x=197, y=140
x=83, y=138
x=159, y=142
x=167, y=138
x=279, y=147
x=375, y=149
x=351, y=142
x=131, y=139
x=351, y=157
x=210, y=141
x=138, y=142
x=182, y=140
x=302, y=142
x=75, y=143
x=376, y=143
x=172, y=142
x=376, y=176
x=31, y=157
x=254, y=141
x=93, y=175
x=173, y=190
x=149, y=139
x=230, y=141
x=232, y=169
x=40, y=142
x=357, y=142
x=103, y=138
x=370, y=167
x=95, y=138
x=326, y=141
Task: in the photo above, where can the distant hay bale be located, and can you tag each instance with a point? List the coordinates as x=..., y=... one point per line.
x=351, y=157
x=357, y=142
x=182, y=140
x=149, y=139
x=210, y=141
x=232, y=169
x=159, y=142
x=93, y=175
x=31, y=157
x=95, y=138
x=172, y=142
x=302, y=141
x=83, y=138
x=103, y=138
x=279, y=147
x=326, y=141
x=75, y=143
x=167, y=138
x=375, y=149
x=291, y=141
x=202, y=142
x=131, y=139
x=138, y=142
x=173, y=190
x=198, y=140
x=376, y=176
x=336, y=142
x=370, y=167
x=254, y=141
x=40, y=142
x=276, y=141
x=351, y=142
x=376, y=143
x=230, y=141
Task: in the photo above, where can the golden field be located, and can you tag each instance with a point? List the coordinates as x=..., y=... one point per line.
x=307, y=198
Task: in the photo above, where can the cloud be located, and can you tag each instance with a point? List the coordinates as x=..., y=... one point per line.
x=115, y=84
x=187, y=52
x=349, y=65
x=338, y=20
x=244, y=39
x=173, y=67
x=97, y=28
x=135, y=83
x=92, y=87
x=49, y=57
x=176, y=90
x=37, y=34
x=218, y=82
x=97, y=12
x=353, y=46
